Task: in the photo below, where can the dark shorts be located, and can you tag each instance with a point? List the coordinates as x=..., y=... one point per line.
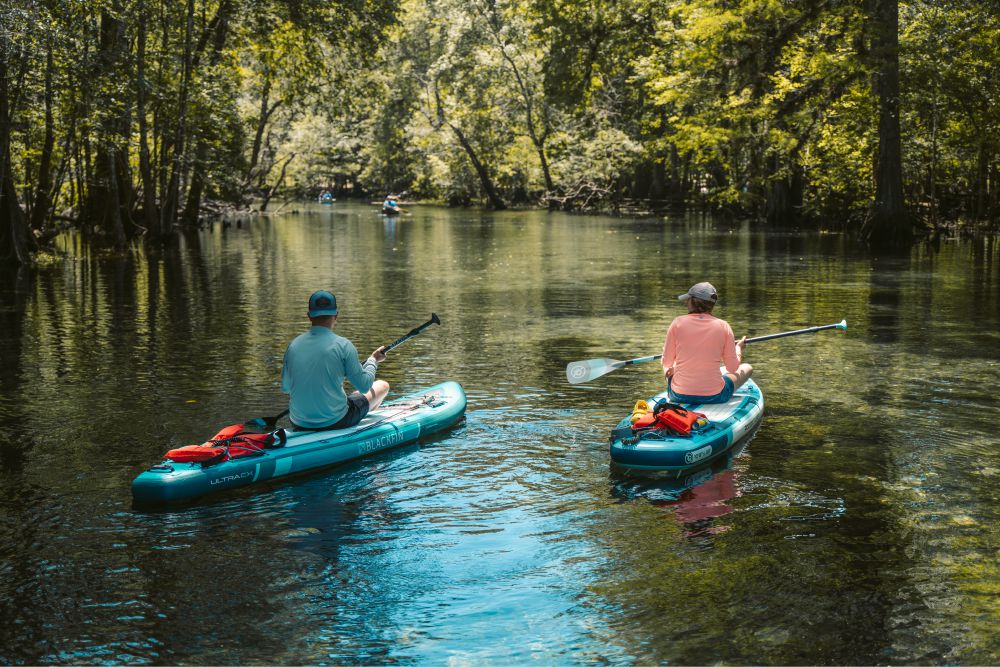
x=722, y=397
x=357, y=408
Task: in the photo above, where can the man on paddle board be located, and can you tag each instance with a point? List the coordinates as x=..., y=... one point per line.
x=696, y=345
x=390, y=203
x=315, y=367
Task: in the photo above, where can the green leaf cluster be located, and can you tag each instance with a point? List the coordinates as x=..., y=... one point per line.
x=128, y=117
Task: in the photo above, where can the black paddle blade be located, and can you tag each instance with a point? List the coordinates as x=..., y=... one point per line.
x=434, y=318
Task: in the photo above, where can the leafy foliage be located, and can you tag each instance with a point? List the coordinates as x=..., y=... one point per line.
x=122, y=117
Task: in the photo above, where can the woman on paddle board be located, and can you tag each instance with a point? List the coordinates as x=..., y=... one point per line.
x=695, y=347
x=315, y=366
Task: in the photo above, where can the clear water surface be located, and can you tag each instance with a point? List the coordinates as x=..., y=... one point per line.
x=859, y=526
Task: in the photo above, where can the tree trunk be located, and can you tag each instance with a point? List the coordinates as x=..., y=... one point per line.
x=109, y=192
x=15, y=241
x=538, y=139
x=145, y=167
x=168, y=213
x=889, y=224
x=196, y=189
x=40, y=209
x=784, y=197
x=484, y=176
x=266, y=111
x=932, y=189
x=270, y=192
x=198, y=177
x=980, y=205
x=496, y=202
x=546, y=172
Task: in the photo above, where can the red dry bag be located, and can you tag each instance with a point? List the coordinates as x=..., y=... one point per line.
x=195, y=454
x=677, y=419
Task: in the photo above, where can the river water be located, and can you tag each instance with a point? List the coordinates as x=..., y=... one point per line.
x=859, y=526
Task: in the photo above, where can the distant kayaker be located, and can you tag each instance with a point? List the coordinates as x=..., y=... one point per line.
x=695, y=347
x=315, y=367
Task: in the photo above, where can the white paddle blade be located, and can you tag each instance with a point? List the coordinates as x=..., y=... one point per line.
x=578, y=372
x=842, y=325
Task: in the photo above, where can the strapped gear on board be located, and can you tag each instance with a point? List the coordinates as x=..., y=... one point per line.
x=232, y=442
x=661, y=420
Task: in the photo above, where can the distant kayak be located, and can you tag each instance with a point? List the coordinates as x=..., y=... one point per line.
x=388, y=210
x=402, y=421
x=728, y=424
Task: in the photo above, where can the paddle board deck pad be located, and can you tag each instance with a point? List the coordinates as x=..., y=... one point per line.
x=728, y=424
x=395, y=423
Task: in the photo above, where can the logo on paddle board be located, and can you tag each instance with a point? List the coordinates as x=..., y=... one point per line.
x=578, y=372
x=229, y=478
x=379, y=443
x=698, y=454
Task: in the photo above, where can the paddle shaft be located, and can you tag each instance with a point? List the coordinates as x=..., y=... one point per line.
x=413, y=332
x=749, y=340
x=757, y=339
x=640, y=360
x=796, y=332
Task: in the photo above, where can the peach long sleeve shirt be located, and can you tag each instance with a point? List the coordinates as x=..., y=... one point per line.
x=696, y=345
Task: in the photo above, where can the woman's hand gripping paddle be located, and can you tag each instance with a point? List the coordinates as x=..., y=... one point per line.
x=268, y=423
x=578, y=372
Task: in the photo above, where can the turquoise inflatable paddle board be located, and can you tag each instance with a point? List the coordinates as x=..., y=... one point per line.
x=395, y=423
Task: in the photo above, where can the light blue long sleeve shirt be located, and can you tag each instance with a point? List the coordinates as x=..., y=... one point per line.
x=316, y=364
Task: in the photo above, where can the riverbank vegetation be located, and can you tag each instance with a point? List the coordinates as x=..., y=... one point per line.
x=125, y=118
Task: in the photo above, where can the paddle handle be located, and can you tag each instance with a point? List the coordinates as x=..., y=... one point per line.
x=413, y=332
x=266, y=422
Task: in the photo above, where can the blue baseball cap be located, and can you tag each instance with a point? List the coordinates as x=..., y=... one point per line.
x=322, y=303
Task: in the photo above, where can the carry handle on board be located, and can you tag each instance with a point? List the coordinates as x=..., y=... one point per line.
x=269, y=423
x=578, y=372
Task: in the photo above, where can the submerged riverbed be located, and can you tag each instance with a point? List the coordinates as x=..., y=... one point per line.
x=859, y=526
